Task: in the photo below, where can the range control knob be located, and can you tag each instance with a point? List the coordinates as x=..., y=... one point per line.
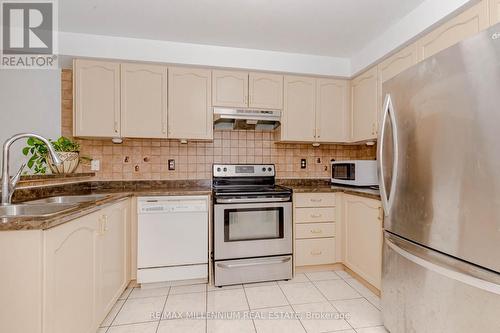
x=269, y=169
x=218, y=169
x=263, y=169
x=225, y=169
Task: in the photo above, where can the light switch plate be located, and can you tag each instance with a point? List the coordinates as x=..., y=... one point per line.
x=95, y=165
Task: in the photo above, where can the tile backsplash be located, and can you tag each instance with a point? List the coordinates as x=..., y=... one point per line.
x=147, y=159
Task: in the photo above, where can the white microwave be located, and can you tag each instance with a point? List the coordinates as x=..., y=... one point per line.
x=355, y=173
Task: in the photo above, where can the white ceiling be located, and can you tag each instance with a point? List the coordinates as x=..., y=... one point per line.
x=334, y=28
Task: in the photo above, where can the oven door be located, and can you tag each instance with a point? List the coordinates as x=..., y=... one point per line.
x=252, y=230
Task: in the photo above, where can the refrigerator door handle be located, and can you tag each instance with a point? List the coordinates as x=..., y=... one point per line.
x=388, y=115
x=446, y=270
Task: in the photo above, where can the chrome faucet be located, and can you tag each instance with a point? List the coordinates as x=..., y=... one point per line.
x=8, y=184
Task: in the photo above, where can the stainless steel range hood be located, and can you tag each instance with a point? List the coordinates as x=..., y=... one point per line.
x=246, y=119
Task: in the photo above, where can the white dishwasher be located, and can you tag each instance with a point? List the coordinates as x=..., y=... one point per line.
x=172, y=241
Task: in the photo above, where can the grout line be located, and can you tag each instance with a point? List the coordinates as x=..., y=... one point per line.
x=119, y=310
x=163, y=309
x=290, y=304
x=249, y=309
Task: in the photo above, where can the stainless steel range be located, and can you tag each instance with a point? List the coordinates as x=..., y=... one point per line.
x=252, y=225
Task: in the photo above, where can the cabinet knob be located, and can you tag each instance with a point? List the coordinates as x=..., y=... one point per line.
x=316, y=231
x=316, y=253
x=316, y=200
x=316, y=215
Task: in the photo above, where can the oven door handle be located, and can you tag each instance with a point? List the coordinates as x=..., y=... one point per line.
x=252, y=200
x=257, y=263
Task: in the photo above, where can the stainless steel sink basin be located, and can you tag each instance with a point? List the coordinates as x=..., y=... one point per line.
x=34, y=210
x=70, y=199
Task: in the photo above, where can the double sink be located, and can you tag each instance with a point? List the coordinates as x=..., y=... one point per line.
x=48, y=206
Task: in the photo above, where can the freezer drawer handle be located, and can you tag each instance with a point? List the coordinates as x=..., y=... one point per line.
x=445, y=271
x=250, y=264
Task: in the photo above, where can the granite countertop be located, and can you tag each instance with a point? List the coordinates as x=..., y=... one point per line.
x=116, y=194
x=120, y=190
x=324, y=186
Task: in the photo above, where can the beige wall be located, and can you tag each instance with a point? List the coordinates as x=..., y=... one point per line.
x=147, y=158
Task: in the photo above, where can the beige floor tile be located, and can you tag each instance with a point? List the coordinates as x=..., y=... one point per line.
x=361, y=312
x=102, y=330
x=182, y=326
x=149, y=292
x=230, y=326
x=265, y=297
x=298, y=278
x=308, y=316
x=214, y=288
x=378, y=329
x=186, y=303
x=112, y=313
x=300, y=293
x=227, y=300
x=320, y=276
x=344, y=274
x=195, y=288
x=134, y=328
x=139, y=310
x=336, y=289
x=277, y=320
x=259, y=284
x=126, y=293
x=360, y=288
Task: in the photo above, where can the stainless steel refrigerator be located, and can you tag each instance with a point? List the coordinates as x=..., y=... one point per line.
x=439, y=170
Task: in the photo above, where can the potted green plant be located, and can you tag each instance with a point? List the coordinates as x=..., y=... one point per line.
x=67, y=149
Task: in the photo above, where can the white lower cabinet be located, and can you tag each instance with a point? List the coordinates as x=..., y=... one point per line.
x=363, y=237
x=314, y=229
x=85, y=269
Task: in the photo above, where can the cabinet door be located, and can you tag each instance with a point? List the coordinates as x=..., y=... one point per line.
x=230, y=89
x=332, y=110
x=189, y=108
x=69, y=283
x=298, y=122
x=363, y=237
x=97, y=98
x=364, y=106
x=397, y=63
x=494, y=12
x=112, y=249
x=144, y=101
x=468, y=23
x=265, y=91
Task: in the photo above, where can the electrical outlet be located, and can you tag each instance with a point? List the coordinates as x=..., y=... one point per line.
x=171, y=164
x=318, y=160
x=303, y=163
x=95, y=165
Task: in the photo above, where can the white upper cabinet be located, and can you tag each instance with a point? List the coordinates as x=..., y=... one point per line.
x=189, y=103
x=265, y=91
x=97, y=98
x=332, y=110
x=494, y=11
x=298, y=122
x=364, y=106
x=464, y=25
x=397, y=63
x=230, y=88
x=144, y=101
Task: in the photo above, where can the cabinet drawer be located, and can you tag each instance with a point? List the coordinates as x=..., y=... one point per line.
x=314, y=230
x=314, y=200
x=314, y=251
x=305, y=215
